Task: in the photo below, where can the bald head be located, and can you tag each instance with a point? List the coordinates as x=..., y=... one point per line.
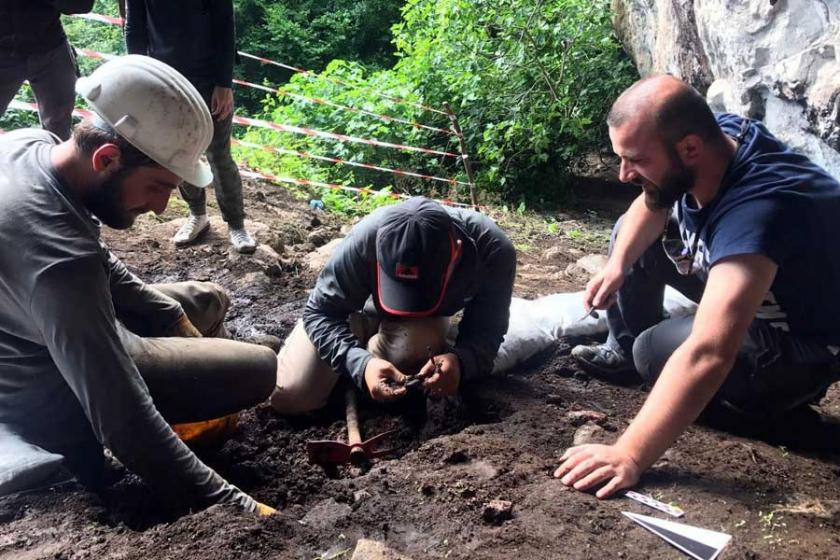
x=668, y=107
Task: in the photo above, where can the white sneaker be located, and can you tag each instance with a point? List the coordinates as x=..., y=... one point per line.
x=242, y=241
x=194, y=227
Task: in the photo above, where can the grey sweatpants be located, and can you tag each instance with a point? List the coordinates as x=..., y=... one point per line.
x=226, y=179
x=52, y=76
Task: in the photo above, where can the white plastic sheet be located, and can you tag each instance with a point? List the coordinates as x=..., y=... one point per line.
x=536, y=324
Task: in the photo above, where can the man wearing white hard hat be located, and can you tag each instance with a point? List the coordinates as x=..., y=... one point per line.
x=198, y=40
x=92, y=356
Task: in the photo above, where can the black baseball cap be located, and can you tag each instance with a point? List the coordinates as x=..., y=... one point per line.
x=417, y=248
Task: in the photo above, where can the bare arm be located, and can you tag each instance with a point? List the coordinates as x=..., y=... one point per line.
x=691, y=377
x=639, y=230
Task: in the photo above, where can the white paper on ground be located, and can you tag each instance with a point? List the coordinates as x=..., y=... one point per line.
x=699, y=543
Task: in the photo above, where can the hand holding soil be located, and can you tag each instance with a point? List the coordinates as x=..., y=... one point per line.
x=441, y=375
x=384, y=381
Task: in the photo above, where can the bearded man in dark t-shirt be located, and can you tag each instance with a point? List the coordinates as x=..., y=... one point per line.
x=742, y=225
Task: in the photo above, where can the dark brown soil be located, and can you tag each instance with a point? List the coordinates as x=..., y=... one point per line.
x=775, y=488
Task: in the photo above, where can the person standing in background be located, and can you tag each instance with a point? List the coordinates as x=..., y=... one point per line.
x=197, y=38
x=33, y=47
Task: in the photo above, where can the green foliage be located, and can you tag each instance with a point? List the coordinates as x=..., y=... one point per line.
x=310, y=34
x=530, y=81
x=294, y=111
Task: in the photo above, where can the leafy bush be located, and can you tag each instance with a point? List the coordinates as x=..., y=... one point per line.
x=531, y=81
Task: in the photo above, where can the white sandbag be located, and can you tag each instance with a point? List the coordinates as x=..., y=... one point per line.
x=23, y=465
x=536, y=324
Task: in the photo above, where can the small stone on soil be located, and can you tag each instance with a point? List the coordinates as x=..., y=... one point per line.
x=497, y=511
x=456, y=457
x=581, y=417
x=554, y=399
x=590, y=433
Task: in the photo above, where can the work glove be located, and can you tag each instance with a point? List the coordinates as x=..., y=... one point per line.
x=264, y=510
x=184, y=328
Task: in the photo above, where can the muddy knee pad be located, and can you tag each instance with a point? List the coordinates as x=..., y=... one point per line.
x=205, y=303
x=303, y=380
x=406, y=342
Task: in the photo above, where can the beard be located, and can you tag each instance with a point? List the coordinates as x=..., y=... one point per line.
x=676, y=182
x=104, y=203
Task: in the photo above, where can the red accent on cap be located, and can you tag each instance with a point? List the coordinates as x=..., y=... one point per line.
x=407, y=272
x=453, y=254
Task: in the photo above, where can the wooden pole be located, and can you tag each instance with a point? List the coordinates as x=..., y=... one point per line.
x=465, y=157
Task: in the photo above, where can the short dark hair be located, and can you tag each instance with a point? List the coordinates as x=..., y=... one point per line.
x=682, y=112
x=89, y=135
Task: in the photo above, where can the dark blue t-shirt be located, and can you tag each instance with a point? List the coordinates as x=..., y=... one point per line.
x=777, y=203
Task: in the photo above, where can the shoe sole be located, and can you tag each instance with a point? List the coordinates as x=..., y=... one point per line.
x=592, y=367
x=195, y=238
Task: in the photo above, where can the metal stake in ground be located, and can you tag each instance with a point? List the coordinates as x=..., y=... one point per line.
x=465, y=157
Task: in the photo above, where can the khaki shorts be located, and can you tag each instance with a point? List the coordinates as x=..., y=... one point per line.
x=304, y=380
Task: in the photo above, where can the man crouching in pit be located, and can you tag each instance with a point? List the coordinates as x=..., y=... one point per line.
x=386, y=297
x=90, y=355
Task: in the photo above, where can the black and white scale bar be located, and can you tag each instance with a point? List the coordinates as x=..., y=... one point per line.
x=697, y=542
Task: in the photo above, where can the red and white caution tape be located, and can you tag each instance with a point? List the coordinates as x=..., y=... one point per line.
x=100, y=18
x=320, y=101
x=245, y=121
x=84, y=113
x=309, y=155
x=333, y=186
x=119, y=21
x=282, y=91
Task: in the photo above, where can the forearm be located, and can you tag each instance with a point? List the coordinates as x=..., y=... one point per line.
x=336, y=344
x=688, y=382
x=640, y=228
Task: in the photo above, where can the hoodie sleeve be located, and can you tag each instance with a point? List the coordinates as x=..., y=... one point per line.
x=224, y=34
x=342, y=288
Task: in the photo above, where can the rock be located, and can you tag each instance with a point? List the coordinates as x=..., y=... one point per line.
x=554, y=399
x=581, y=417
x=587, y=266
x=325, y=514
x=555, y=253
x=318, y=258
x=769, y=60
x=456, y=457
x=320, y=236
x=367, y=549
x=590, y=433
x=361, y=495
x=497, y=511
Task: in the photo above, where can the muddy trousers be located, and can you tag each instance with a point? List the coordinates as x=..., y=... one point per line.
x=52, y=76
x=227, y=182
x=195, y=379
x=305, y=381
x=189, y=379
x=774, y=372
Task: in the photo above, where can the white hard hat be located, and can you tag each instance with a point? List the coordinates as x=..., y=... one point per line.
x=156, y=109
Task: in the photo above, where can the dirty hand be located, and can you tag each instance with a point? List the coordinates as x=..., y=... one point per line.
x=264, y=510
x=602, y=291
x=221, y=102
x=443, y=378
x=184, y=328
x=383, y=380
x=585, y=466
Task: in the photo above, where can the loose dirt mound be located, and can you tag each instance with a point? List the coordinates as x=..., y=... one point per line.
x=500, y=441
